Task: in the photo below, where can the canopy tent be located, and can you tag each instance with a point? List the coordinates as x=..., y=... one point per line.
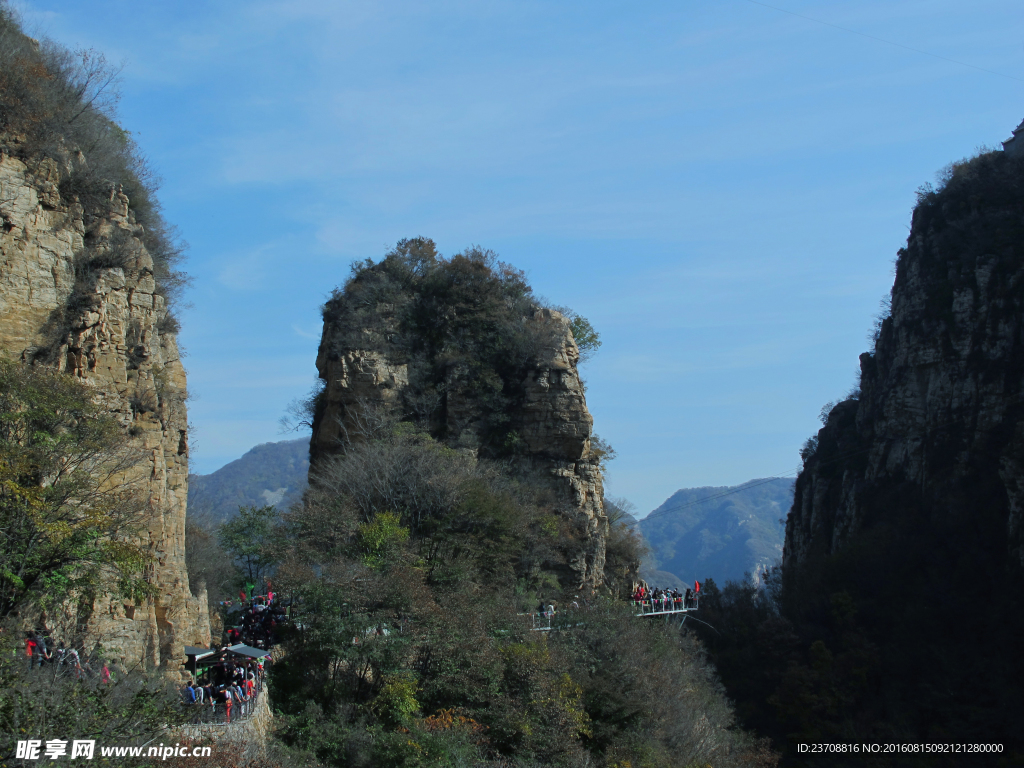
x=202, y=657
x=194, y=654
x=245, y=650
x=198, y=653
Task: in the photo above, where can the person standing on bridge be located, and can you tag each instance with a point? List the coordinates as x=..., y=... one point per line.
x=226, y=694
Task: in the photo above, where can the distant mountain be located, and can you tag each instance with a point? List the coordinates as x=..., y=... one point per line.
x=717, y=532
x=271, y=473
x=648, y=564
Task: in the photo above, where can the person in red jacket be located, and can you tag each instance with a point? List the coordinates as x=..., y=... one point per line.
x=31, y=646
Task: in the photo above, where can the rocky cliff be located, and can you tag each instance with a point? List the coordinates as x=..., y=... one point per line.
x=902, y=563
x=78, y=292
x=937, y=425
x=460, y=347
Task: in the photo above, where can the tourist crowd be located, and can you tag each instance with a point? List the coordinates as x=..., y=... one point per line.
x=258, y=623
x=229, y=688
x=43, y=651
x=666, y=599
x=225, y=689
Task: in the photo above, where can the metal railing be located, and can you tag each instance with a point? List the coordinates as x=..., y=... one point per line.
x=545, y=621
x=540, y=622
x=218, y=713
x=665, y=605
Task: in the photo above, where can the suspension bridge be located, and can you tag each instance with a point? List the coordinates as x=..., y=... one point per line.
x=669, y=608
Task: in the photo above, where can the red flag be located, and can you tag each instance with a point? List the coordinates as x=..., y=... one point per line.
x=696, y=586
x=241, y=594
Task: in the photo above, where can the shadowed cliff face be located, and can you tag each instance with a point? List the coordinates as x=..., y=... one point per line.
x=903, y=552
x=938, y=423
x=106, y=325
x=459, y=347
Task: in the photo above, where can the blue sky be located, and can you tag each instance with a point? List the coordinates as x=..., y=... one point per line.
x=719, y=186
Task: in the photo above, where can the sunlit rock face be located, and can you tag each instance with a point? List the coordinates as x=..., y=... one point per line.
x=551, y=420
x=107, y=327
x=937, y=429
x=556, y=428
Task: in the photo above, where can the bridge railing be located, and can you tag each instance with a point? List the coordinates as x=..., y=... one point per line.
x=540, y=621
x=545, y=621
x=217, y=712
x=660, y=606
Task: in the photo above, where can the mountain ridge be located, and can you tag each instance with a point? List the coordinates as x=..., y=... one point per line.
x=721, y=532
x=268, y=474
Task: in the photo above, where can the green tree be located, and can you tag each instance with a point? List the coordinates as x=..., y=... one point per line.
x=70, y=499
x=253, y=541
x=588, y=340
x=380, y=538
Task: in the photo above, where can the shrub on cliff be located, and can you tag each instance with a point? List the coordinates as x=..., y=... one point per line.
x=625, y=548
x=409, y=564
x=469, y=524
x=251, y=540
x=68, y=500
x=50, y=702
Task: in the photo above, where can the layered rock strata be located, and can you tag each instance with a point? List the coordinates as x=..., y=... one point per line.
x=108, y=327
x=938, y=426
x=551, y=421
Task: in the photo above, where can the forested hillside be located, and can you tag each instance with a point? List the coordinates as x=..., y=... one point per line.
x=432, y=530
x=723, y=533
x=269, y=474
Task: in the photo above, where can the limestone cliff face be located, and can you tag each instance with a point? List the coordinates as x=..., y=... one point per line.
x=556, y=428
x=937, y=432
x=550, y=419
x=108, y=326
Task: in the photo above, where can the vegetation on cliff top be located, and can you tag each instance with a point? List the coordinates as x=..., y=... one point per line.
x=462, y=324
x=57, y=114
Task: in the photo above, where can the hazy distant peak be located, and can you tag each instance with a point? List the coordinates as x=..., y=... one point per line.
x=267, y=474
x=720, y=532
